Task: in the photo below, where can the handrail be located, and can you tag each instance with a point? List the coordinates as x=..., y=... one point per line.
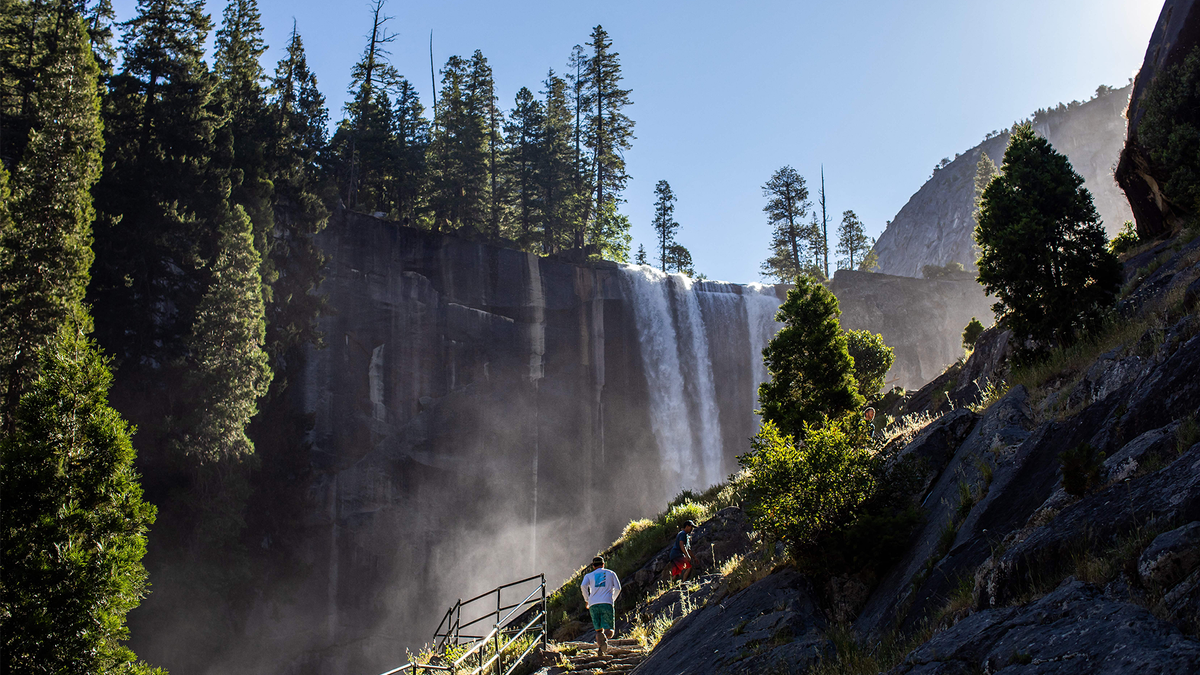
x=449, y=630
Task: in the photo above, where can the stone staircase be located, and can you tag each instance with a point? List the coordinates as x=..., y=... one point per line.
x=622, y=656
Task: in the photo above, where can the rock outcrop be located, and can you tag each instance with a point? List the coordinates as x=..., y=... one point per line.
x=935, y=227
x=1175, y=35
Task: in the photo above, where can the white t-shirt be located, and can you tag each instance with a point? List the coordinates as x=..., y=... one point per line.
x=600, y=587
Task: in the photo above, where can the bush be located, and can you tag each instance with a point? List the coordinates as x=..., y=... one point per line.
x=1126, y=240
x=971, y=333
x=1080, y=469
x=799, y=493
x=1170, y=132
x=948, y=270
x=872, y=360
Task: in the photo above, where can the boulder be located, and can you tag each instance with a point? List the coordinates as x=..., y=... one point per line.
x=774, y=621
x=1171, y=556
x=1075, y=629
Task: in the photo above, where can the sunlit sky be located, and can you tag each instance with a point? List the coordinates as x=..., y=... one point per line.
x=725, y=93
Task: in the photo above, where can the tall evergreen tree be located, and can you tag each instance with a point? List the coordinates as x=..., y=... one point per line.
x=160, y=189
x=641, y=258
x=73, y=521
x=411, y=143
x=458, y=155
x=852, y=240
x=481, y=103
x=580, y=85
x=45, y=239
x=525, y=130
x=786, y=207
x=557, y=173
x=664, y=222
x=609, y=129
x=823, y=233
x=1045, y=254
x=299, y=115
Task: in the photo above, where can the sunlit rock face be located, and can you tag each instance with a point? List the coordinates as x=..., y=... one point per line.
x=935, y=227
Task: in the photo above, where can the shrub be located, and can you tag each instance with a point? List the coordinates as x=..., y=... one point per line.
x=971, y=333
x=1170, y=132
x=1080, y=469
x=941, y=271
x=1126, y=240
x=798, y=493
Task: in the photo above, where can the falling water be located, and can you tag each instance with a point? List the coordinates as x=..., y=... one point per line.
x=683, y=327
x=761, y=306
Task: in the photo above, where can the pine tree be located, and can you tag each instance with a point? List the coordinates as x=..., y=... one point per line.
x=641, y=258
x=458, y=155
x=73, y=522
x=852, y=241
x=812, y=374
x=579, y=79
x=664, y=223
x=412, y=143
x=609, y=130
x=1044, y=250
x=228, y=370
x=815, y=237
x=45, y=239
x=481, y=104
x=299, y=115
x=679, y=259
x=160, y=189
x=556, y=175
x=247, y=131
x=786, y=207
x=823, y=245
x=525, y=130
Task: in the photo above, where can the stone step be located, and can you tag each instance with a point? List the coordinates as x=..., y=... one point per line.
x=631, y=658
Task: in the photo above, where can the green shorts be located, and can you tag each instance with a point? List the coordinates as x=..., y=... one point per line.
x=602, y=616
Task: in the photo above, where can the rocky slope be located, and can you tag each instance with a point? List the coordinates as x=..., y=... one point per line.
x=935, y=226
x=1007, y=573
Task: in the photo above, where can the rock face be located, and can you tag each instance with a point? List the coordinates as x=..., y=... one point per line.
x=935, y=227
x=1075, y=629
x=1175, y=35
x=922, y=320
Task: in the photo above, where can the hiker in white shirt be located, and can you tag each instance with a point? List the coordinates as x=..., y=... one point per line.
x=600, y=589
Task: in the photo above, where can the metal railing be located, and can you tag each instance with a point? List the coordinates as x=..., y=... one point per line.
x=528, y=616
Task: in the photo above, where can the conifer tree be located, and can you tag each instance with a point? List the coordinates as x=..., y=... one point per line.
x=160, y=189
x=852, y=241
x=579, y=79
x=411, y=131
x=45, y=239
x=664, y=223
x=812, y=373
x=641, y=258
x=481, y=103
x=1045, y=254
x=525, y=130
x=228, y=370
x=820, y=238
x=786, y=207
x=299, y=115
x=609, y=130
x=556, y=175
x=458, y=154
x=73, y=522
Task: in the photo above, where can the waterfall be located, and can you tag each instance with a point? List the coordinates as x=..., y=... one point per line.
x=761, y=306
x=685, y=331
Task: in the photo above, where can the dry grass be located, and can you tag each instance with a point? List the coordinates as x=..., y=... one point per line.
x=907, y=427
x=851, y=657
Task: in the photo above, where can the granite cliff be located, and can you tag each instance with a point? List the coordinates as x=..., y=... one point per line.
x=935, y=227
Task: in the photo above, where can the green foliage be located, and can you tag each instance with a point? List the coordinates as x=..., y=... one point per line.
x=73, y=520
x=949, y=270
x=609, y=131
x=799, y=493
x=1044, y=250
x=228, y=370
x=870, y=261
x=786, y=207
x=664, y=222
x=1170, y=132
x=1080, y=469
x=45, y=236
x=812, y=374
x=852, y=241
x=1126, y=240
x=971, y=333
x=872, y=360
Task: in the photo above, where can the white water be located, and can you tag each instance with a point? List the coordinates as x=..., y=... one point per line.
x=761, y=306
x=677, y=357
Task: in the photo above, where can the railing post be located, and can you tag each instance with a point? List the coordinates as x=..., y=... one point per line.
x=545, y=615
x=499, y=659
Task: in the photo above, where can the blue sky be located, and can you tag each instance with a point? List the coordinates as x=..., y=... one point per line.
x=725, y=93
